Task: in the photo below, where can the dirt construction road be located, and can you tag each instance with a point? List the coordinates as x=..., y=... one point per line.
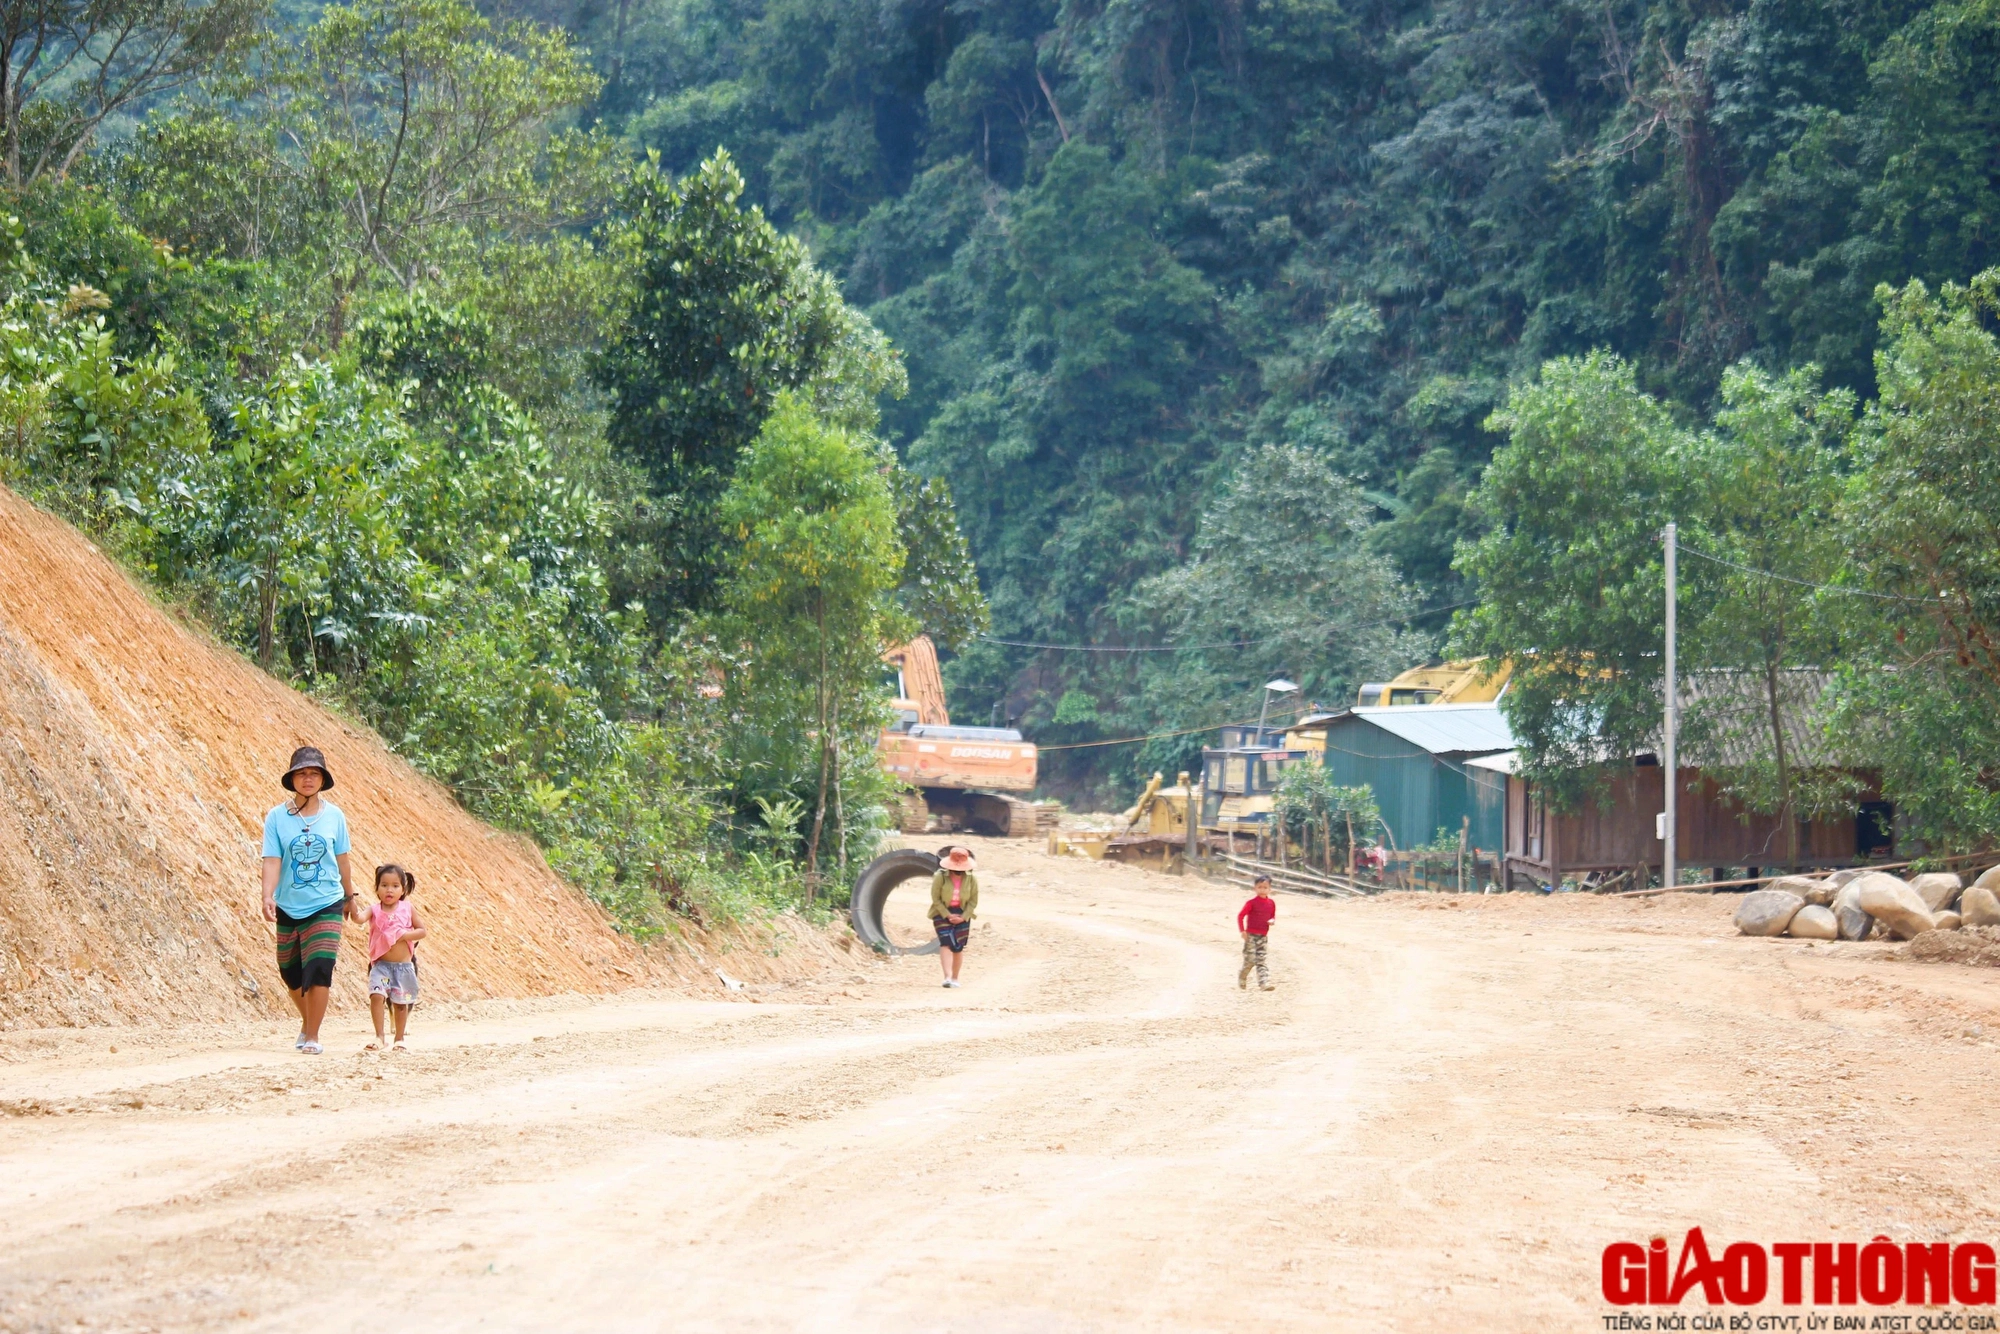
x=1436, y=1123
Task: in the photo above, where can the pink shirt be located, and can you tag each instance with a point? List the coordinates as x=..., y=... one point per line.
x=386, y=926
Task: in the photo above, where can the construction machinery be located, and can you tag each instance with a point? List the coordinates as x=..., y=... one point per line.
x=1154, y=829
x=1466, y=681
x=960, y=776
x=1240, y=780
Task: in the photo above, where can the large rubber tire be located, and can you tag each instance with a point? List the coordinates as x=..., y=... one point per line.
x=871, y=892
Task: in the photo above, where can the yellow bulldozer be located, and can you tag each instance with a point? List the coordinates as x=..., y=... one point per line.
x=961, y=777
x=1152, y=831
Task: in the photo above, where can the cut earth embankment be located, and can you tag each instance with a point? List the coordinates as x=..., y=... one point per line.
x=137, y=761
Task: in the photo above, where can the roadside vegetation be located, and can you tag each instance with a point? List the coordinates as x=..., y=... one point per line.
x=560, y=473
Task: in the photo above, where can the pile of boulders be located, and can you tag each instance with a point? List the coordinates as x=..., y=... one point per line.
x=1853, y=904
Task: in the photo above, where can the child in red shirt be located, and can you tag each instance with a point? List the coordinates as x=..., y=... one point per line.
x=1253, y=923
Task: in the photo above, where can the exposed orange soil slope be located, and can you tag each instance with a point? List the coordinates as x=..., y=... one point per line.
x=136, y=764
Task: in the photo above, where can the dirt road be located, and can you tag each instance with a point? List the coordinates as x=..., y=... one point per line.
x=1437, y=1121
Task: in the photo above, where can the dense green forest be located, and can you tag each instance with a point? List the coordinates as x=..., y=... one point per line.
x=1125, y=244
x=584, y=394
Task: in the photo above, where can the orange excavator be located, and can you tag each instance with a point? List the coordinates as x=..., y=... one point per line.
x=959, y=775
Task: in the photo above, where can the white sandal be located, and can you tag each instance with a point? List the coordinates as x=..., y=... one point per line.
x=312, y=1047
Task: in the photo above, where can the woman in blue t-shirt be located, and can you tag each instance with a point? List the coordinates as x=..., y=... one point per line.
x=307, y=888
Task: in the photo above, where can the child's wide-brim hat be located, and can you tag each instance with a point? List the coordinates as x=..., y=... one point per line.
x=307, y=757
x=958, y=859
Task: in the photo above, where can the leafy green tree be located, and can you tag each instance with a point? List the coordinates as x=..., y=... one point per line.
x=1571, y=565
x=1310, y=804
x=1770, y=483
x=68, y=66
x=728, y=315
x=809, y=602
x=405, y=121
x=1926, y=689
x=940, y=588
x=1280, y=582
x=1571, y=569
x=393, y=141
x=298, y=507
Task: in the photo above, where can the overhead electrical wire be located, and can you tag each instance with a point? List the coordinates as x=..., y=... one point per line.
x=1332, y=625
x=1150, y=736
x=1804, y=583
x=1233, y=643
x=1297, y=711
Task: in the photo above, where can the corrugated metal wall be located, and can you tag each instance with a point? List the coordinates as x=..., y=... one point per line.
x=1419, y=793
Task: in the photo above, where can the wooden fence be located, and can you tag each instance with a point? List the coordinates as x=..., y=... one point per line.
x=1245, y=870
x=1434, y=872
x=1468, y=872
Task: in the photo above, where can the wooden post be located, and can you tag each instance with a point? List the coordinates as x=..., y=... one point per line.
x=1193, y=815
x=1670, y=761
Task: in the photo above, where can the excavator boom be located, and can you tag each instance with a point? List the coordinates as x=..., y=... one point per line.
x=958, y=772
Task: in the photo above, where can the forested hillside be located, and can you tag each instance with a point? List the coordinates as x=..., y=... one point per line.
x=1124, y=245
x=585, y=396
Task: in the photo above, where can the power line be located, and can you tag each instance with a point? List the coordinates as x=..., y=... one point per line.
x=1234, y=643
x=1150, y=736
x=1805, y=583
x=1298, y=712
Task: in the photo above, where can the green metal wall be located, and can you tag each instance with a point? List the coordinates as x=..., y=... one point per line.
x=1419, y=793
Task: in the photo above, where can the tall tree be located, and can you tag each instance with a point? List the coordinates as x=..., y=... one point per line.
x=728, y=315
x=809, y=597
x=67, y=66
x=1571, y=570
x=940, y=588
x=1571, y=565
x=1922, y=519
x=408, y=120
x=1281, y=582
x=1770, y=485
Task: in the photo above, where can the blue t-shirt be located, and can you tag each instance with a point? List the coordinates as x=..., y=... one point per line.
x=305, y=846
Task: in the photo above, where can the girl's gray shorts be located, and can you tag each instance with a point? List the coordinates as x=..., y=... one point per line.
x=397, y=981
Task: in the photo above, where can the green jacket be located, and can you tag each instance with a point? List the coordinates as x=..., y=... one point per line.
x=941, y=895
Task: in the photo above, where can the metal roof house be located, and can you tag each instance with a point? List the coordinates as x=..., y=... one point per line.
x=1416, y=758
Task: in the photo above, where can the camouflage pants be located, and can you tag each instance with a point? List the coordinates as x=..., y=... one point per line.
x=1253, y=957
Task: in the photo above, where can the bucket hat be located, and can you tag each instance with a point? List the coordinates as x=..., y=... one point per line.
x=308, y=757
x=957, y=859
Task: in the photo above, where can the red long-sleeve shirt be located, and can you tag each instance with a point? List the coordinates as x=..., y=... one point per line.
x=1256, y=916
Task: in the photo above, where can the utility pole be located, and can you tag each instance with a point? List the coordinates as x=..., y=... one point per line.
x=1670, y=762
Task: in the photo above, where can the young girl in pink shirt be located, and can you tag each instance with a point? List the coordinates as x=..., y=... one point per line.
x=393, y=932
